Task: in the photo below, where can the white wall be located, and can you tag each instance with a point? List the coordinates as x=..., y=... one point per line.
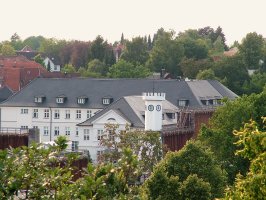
x=54, y=68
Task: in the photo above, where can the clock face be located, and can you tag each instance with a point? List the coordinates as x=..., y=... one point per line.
x=150, y=107
x=158, y=108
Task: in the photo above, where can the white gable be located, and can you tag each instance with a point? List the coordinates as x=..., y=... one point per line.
x=111, y=117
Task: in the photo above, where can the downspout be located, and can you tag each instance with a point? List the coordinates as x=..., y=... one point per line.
x=51, y=121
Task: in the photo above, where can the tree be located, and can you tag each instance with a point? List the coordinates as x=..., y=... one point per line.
x=219, y=136
x=34, y=42
x=188, y=168
x=146, y=144
x=8, y=50
x=68, y=69
x=124, y=69
x=207, y=74
x=252, y=145
x=97, y=66
x=191, y=67
x=16, y=42
x=136, y=51
x=122, y=40
x=166, y=53
x=251, y=50
x=37, y=171
x=38, y=59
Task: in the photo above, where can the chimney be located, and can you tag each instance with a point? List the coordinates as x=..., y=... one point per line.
x=153, y=110
x=162, y=73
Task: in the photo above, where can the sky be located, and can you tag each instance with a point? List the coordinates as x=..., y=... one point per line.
x=85, y=19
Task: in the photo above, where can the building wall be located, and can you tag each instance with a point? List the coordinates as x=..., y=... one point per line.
x=201, y=118
x=54, y=68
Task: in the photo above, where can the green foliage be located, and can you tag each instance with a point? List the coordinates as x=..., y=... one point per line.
x=219, y=137
x=147, y=145
x=96, y=66
x=179, y=166
x=195, y=188
x=191, y=67
x=7, y=50
x=68, y=69
x=38, y=59
x=37, y=171
x=34, y=42
x=251, y=50
x=253, y=146
x=124, y=69
x=207, y=74
x=166, y=53
x=136, y=51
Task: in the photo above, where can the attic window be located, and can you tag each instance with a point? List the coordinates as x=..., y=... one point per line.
x=182, y=102
x=107, y=100
x=205, y=102
x=171, y=115
x=82, y=100
x=60, y=99
x=39, y=99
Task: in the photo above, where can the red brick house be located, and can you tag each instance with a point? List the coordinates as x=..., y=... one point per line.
x=18, y=71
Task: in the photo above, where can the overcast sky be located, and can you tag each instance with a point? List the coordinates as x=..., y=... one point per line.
x=85, y=19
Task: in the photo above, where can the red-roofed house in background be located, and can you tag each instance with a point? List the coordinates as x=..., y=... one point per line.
x=18, y=71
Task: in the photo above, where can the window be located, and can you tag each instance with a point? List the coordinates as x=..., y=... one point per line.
x=182, y=102
x=45, y=130
x=74, y=145
x=162, y=116
x=67, y=114
x=55, y=67
x=77, y=131
x=59, y=100
x=38, y=99
x=24, y=111
x=89, y=114
x=106, y=101
x=35, y=127
x=56, y=130
x=99, y=134
x=82, y=100
x=216, y=101
x=35, y=113
x=67, y=130
x=46, y=113
x=78, y=114
x=56, y=114
x=86, y=134
x=171, y=115
x=24, y=127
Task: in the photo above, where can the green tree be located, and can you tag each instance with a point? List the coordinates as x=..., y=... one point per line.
x=251, y=50
x=15, y=42
x=180, y=168
x=191, y=67
x=7, y=50
x=219, y=136
x=68, y=69
x=252, y=145
x=97, y=66
x=124, y=69
x=166, y=53
x=34, y=42
x=136, y=51
x=207, y=74
x=38, y=59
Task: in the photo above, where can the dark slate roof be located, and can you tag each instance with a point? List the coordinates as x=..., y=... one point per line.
x=96, y=89
x=130, y=108
x=5, y=93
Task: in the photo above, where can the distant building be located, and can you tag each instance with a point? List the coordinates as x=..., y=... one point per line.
x=17, y=71
x=27, y=52
x=80, y=107
x=52, y=63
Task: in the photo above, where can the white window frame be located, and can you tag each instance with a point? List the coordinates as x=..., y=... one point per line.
x=56, y=131
x=56, y=114
x=60, y=100
x=77, y=131
x=24, y=127
x=74, y=145
x=24, y=111
x=67, y=112
x=182, y=102
x=100, y=134
x=45, y=130
x=46, y=113
x=78, y=114
x=106, y=101
x=35, y=113
x=67, y=131
x=81, y=100
x=86, y=134
x=38, y=99
x=89, y=114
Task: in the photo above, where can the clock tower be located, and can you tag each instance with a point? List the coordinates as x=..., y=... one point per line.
x=153, y=110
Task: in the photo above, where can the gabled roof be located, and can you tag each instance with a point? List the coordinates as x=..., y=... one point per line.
x=5, y=93
x=96, y=89
x=131, y=108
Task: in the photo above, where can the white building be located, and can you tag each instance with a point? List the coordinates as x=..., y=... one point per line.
x=79, y=107
x=54, y=66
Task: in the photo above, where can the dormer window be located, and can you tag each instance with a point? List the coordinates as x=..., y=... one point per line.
x=60, y=99
x=107, y=100
x=182, y=102
x=39, y=99
x=82, y=100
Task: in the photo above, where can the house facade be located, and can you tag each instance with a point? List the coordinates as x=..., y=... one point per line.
x=80, y=107
x=52, y=64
